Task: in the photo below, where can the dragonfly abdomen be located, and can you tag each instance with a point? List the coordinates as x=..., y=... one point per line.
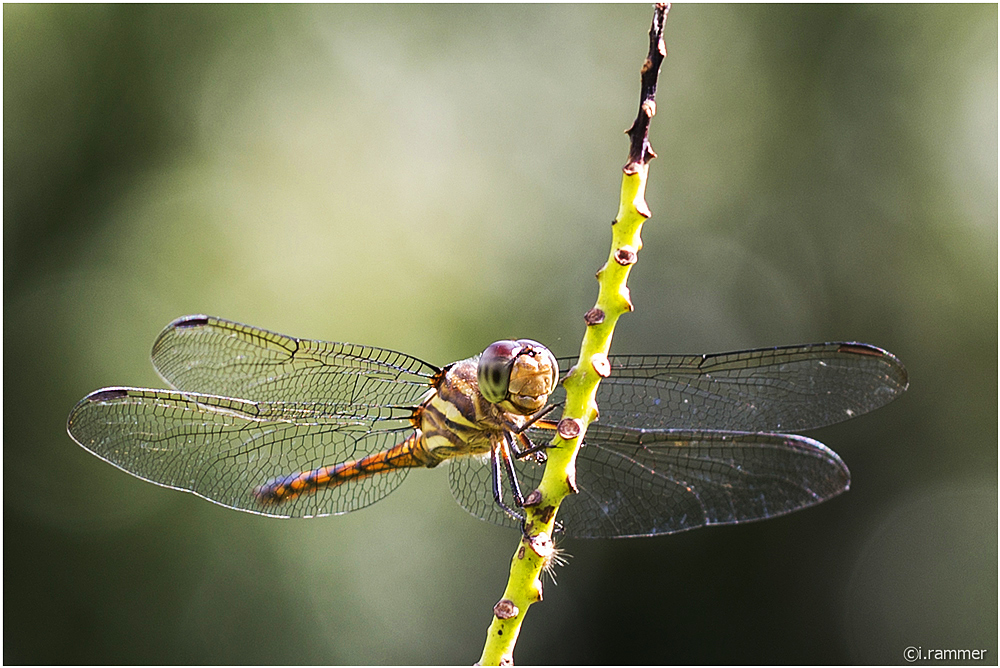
x=408, y=454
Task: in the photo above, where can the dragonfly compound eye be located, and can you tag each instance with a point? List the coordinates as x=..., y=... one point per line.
x=494, y=369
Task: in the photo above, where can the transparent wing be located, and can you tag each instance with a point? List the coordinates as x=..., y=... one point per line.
x=471, y=483
x=214, y=356
x=645, y=483
x=773, y=389
x=222, y=449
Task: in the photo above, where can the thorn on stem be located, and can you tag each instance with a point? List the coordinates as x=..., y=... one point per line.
x=601, y=365
x=571, y=482
x=626, y=299
x=570, y=428
x=625, y=256
x=594, y=316
x=505, y=609
x=538, y=590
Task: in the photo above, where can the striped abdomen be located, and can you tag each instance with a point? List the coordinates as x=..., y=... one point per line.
x=407, y=454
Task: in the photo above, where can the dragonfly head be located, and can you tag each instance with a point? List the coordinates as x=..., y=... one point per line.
x=517, y=375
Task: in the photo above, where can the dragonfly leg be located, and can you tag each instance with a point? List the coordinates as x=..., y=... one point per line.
x=500, y=452
x=508, y=464
x=537, y=416
x=527, y=447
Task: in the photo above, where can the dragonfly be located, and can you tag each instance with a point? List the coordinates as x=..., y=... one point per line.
x=285, y=427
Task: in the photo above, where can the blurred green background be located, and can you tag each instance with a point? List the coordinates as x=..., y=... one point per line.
x=433, y=178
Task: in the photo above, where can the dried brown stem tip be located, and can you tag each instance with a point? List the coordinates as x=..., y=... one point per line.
x=640, y=152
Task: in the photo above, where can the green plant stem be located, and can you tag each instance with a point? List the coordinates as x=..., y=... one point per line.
x=536, y=549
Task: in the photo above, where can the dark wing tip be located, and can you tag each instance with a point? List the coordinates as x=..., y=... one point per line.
x=861, y=349
x=184, y=322
x=98, y=396
x=898, y=371
x=188, y=321
x=106, y=394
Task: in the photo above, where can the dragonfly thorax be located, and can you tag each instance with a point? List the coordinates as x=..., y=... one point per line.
x=458, y=417
x=455, y=419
